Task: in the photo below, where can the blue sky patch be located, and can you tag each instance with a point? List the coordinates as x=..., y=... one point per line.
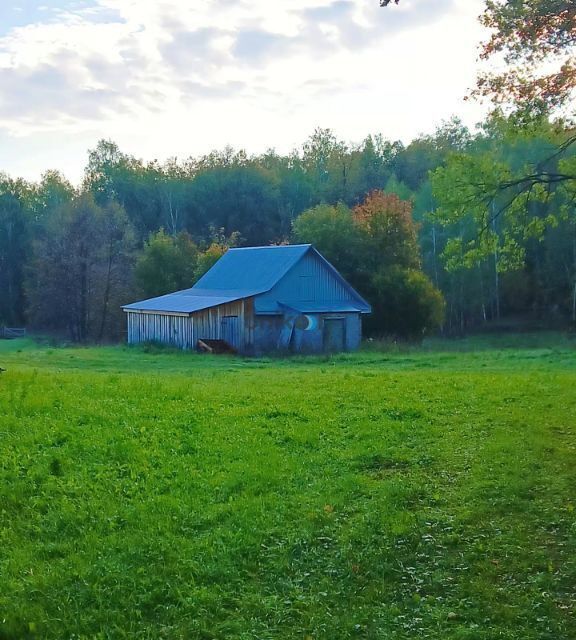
x=24, y=12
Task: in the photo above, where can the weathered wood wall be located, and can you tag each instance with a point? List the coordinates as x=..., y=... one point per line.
x=183, y=331
x=208, y=323
x=280, y=333
x=247, y=333
x=172, y=329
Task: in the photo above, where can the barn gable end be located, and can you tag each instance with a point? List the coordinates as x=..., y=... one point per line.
x=312, y=284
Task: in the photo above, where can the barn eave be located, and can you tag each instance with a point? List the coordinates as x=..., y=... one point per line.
x=188, y=301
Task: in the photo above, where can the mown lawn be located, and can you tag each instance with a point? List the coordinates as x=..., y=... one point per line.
x=419, y=494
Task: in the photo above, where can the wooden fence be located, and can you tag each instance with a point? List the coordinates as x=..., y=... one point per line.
x=12, y=332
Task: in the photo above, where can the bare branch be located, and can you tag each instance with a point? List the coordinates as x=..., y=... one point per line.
x=530, y=180
x=559, y=151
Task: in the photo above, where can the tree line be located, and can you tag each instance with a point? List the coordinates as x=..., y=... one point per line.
x=409, y=225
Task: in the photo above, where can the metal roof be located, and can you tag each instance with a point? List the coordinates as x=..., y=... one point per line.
x=189, y=300
x=257, y=268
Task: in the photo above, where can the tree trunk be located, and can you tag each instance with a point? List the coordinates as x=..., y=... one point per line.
x=482, y=295
x=106, y=300
x=574, y=271
x=496, y=273
x=434, y=255
x=83, y=310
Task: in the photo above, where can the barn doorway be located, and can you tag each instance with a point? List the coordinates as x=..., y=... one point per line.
x=230, y=331
x=334, y=335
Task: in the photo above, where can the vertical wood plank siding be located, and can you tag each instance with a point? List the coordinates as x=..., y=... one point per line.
x=176, y=330
x=184, y=331
x=208, y=323
x=308, y=280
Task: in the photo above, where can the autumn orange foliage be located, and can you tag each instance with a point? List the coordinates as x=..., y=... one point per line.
x=387, y=220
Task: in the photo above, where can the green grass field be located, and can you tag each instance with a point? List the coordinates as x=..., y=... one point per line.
x=426, y=493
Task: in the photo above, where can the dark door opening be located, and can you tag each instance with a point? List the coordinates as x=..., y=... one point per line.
x=334, y=335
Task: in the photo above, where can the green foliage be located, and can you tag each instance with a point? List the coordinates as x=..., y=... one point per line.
x=460, y=189
x=237, y=196
x=53, y=191
x=24, y=207
x=395, y=186
x=493, y=207
x=208, y=258
x=15, y=240
x=333, y=232
x=405, y=303
x=413, y=163
x=375, y=495
x=166, y=264
x=80, y=271
x=216, y=249
x=376, y=248
x=171, y=263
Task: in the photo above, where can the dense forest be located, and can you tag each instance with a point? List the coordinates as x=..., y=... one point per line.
x=409, y=225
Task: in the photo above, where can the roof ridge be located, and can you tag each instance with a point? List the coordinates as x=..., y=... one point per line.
x=271, y=246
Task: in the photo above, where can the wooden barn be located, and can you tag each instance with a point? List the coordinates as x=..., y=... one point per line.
x=257, y=300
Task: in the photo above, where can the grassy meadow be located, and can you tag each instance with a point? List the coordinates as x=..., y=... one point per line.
x=390, y=494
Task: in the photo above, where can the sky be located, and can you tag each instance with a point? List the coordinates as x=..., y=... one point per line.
x=179, y=78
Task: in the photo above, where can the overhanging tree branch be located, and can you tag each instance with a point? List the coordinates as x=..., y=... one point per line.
x=530, y=180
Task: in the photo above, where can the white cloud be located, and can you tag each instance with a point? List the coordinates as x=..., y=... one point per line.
x=166, y=77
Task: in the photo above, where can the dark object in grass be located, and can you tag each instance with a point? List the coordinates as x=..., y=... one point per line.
x=377, y=463
x=215, y=346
